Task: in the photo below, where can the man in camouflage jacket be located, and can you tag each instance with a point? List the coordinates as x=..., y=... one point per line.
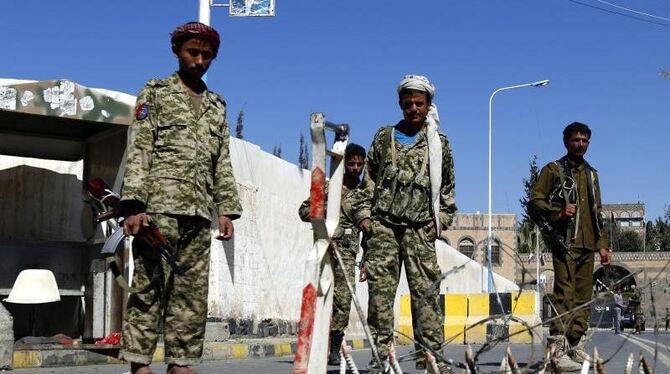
x=346, y=239
x=566, y=197
x=393, y=207
x=177, y=170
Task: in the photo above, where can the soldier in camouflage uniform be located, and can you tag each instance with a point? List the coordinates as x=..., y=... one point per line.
x=566, y=201
x=395, y=207
x=346, y=239
x=178, y=169
x=635, y=303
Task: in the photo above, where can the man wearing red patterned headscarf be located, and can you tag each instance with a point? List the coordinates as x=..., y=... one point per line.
x=178, y=176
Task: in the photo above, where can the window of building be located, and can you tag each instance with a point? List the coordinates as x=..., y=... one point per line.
x=467, y=247
x=495, y=253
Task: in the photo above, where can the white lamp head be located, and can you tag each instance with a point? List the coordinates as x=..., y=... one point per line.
x=541, y=83
x=34, y=286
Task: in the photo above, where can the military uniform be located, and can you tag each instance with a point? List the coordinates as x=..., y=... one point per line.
x=635, y=303
x=346, y=238
x=573, y=269
x=395, y=195
x=178, y=165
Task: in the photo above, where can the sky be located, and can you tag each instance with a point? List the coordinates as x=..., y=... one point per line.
x=345, y=58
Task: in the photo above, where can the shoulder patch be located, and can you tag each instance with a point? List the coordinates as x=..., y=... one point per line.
x=141, y=111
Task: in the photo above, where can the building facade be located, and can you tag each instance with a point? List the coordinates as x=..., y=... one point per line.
x=627, y=216
x=468, y=234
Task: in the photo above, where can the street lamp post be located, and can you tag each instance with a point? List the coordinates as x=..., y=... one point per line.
x=541, y=83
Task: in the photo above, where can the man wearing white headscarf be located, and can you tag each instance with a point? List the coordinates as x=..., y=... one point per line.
x=405, y=200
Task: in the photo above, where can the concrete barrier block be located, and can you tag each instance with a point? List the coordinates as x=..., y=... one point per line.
x=217, y=331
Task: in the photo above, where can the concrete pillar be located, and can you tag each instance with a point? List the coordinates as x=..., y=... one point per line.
x=6, y=338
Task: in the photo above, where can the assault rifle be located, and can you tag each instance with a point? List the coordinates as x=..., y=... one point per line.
x=153, y=245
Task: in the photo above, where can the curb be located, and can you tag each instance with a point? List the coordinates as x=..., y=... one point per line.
x=59, y=355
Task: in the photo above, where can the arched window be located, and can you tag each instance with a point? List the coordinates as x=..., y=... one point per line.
x=496, y=259
x=467, y=247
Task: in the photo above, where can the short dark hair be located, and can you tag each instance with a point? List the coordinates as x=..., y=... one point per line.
x=409, y=91
x=352, y=150
x=575, y=127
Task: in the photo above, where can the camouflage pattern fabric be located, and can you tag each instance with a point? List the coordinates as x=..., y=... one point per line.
x=403, y=194
x=341, y=295
x=401, y=236
x=346, y=225
x=179, y=302
x=178, y=162
x=388, y=248
x=346, y=237
x=179, y=166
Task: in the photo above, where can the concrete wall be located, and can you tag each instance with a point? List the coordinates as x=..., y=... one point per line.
x=258, y=275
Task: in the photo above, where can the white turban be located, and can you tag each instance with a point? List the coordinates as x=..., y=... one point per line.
x=418, y=83
x=421, y=83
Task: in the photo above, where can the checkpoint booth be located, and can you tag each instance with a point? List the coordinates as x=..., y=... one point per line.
x=54, y=136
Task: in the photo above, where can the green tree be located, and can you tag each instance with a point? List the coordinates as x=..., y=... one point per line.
x=629, y=241
x=662, y=227
x=528, y=183
x=650, y=234
x=303, y=154
x=240, y=124
x=612, y=230
x=276, y=151
x=526, y=233
x=527, y=237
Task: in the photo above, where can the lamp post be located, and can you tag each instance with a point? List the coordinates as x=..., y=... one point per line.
x=541, y=83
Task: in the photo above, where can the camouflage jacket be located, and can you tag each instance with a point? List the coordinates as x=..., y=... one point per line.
x=179, y=162
x=346, y=232
x=396, y=187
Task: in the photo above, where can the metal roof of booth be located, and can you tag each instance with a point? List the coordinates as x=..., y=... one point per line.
x=53, y=119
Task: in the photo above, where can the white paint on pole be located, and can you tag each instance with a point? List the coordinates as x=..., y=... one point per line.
x=204, y=12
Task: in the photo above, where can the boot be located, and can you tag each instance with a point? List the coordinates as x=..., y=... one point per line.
x=563, y=361
x=335, y=345
x=576, y=352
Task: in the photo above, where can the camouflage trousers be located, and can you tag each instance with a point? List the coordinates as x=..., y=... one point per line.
x=388, y=249
x=341, y=295
x=178, y=303
x=573, y=286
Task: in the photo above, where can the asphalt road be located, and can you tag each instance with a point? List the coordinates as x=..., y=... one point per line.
x=614, y=349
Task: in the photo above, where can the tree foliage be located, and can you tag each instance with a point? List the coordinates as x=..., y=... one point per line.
x=651, y=237
x=528, y=183
x=276, y=151
x=662, y=231
x=629, y=241
x=303, y=154
x=526, y=231
x=239, y=127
